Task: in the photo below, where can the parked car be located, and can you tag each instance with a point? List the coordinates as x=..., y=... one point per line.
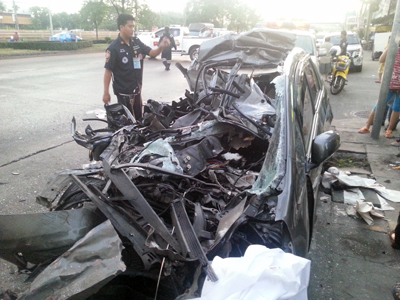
x=307, y=41
x=320, y=38
x=236, y=161
x=186, y=43
x=63, y=37
x=354, y=48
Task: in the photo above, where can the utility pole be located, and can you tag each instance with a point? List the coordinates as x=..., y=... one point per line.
x=387, y=75
x=51, y=23
x=16, y=16
x=369, y=16
x=136, y=16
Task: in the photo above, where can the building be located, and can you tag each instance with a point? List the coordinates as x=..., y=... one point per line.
x=8, y=19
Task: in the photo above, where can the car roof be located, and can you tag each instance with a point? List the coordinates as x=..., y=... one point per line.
x=298, y=32
x=338, y=33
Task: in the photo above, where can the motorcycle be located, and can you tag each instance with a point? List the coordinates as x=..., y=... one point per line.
x=340, y=68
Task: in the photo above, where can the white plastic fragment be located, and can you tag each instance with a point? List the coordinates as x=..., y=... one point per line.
x=261, y=274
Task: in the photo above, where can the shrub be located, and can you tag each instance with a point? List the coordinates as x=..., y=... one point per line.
x=108, y=39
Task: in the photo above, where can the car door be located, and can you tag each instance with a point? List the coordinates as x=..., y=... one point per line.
x=319, y=120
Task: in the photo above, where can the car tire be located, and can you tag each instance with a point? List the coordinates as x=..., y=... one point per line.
x=74, y=197
x=358, y=68
x=337, y=85
x=194, y=53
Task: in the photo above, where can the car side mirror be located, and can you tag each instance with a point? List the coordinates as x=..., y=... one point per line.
x=322, y=52
x=323, y=147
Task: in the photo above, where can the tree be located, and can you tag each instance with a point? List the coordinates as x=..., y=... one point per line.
x=94, y=12
x=3, y=7
x=233, y=14
x=207, y=11
x=63, y=20
x=40, y=17
x=169, y=18
x=123, y=6
x=241, y=16
x=145, y=17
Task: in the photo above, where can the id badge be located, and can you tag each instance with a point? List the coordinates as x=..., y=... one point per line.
x=136, y=63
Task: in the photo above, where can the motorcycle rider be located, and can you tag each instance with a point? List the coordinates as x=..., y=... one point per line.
x=343, y=43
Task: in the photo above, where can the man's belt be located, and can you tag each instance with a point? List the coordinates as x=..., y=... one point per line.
x=131, y=96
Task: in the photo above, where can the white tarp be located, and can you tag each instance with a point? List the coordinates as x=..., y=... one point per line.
x=261, y=274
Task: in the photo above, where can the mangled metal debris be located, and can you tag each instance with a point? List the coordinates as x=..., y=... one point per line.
x=223, y=168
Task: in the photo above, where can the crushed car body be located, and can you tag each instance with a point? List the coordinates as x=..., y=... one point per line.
x=236, y=161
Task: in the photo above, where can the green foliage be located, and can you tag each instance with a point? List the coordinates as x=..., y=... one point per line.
x=40, y=17
x=107, y=40
x=2, y=6
x=102, y=14
x=168, y=18
x=47, y=45
x=233, y=14
x=145, y=17
x=124, y=6
x=94, y=12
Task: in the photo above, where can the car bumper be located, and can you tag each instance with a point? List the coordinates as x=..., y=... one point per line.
x=357, y=61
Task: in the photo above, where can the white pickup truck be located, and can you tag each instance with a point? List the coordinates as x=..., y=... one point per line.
x=186, y=44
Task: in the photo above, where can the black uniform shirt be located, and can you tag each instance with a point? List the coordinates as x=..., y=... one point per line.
x=120, y=61
x=343, y=46
x=169, y=36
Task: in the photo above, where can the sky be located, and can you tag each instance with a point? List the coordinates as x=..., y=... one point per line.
x=312, y=10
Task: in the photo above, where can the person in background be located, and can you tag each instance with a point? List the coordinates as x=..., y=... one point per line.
x=212, y=32
x=325, y=66
x=393, y=100
x=382, y=63
x=73, y=36
x=167, y=53
x=343, y=42
x=124, y=65
x=16, y=37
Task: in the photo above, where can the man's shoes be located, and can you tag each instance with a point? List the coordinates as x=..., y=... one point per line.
x=166, y=68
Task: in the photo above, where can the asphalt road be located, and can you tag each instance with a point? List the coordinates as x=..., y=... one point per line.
x=360, y=92
x=39, y=96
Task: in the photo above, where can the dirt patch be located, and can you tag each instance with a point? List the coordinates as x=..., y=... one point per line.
x=344, y=159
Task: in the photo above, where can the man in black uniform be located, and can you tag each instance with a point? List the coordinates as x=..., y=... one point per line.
x=166, y=53
x=124, y=64
x=343, y=42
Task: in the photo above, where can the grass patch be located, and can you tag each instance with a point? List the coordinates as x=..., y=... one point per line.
x=99, y=47
x=348, y=160
x=17, y=52
x=9, y=51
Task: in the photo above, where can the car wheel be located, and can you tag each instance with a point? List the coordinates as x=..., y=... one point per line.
x=337, y=85
x=358, y=68
x=194, y=53
x=74, y=197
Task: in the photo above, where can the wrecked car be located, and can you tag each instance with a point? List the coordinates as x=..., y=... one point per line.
x=236, y=161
